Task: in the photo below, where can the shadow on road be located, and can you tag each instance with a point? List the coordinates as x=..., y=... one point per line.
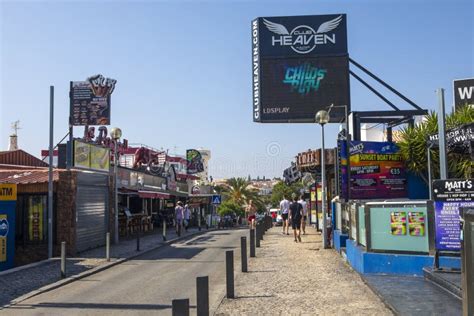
x=97, y=306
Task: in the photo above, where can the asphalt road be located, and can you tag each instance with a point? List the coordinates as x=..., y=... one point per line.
x=147, y=284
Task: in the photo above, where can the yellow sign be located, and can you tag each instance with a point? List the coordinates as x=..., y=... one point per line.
x=7, y=192
x=3, y=241
x=91, y=156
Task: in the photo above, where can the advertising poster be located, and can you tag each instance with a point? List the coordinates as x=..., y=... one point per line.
x=449, y=196
x=36, y=206
x=194, y=161
x=8, y=195
x=416, y=223
x=89, y=156
x=300, y=65
x=82, y=154
x=313, y=205
x=376, y=171
x=90, y=101
x=99, y=158
x=398, y=223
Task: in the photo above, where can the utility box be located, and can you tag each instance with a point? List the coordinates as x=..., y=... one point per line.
x=7, y=225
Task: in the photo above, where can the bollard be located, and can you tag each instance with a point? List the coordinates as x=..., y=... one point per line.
x=229, y=269
x=138, y=239
x=164, y=230
x=199, y=221
x=262, y=230
x=243, y=253
x=107, y=246
x=202, y=296
x=257, y=236
x=252, y=243
x=180, y=307
x=63, y=259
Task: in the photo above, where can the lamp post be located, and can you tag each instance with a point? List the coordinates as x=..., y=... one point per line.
x=322, y=117
x=116, y=133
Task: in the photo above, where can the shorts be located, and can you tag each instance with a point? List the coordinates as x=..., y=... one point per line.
x=296, y=223
x=251, y=217
x=284, y=216
x=304, y=218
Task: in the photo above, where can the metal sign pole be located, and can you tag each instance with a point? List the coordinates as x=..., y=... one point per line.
x=50, y=172
x=443, y=170
x=323, y=187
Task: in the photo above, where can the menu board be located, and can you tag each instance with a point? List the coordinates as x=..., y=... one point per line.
x=90, y=101
x=449, y=196
x=416, y=223
x=398, y=223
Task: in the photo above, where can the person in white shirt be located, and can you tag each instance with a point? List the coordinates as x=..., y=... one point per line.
x=305, y=213
x=178, y=217
x=285, y=207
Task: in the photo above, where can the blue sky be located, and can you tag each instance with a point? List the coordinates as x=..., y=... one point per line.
x=184, y=71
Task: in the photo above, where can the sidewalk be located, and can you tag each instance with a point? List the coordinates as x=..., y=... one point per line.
x=299, y=279
x=23, y=280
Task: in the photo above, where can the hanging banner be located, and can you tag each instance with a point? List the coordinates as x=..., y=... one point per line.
x=8, y=198
x=449, y=196
x=194, y=161
x=90, y=101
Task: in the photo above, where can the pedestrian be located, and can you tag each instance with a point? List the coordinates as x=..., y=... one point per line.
x=250, y=213
x=296, y=214
x=305, y=214
x=187, y=216
x=284, y=208
x=178, y=216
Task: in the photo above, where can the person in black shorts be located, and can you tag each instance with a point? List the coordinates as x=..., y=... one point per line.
x=296, y=214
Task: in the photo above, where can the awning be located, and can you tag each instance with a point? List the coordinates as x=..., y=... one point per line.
x=153, y=195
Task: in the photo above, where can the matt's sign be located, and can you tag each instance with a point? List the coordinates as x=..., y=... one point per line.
x=463, y=92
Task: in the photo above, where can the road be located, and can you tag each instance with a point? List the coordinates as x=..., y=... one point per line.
x=147, y=284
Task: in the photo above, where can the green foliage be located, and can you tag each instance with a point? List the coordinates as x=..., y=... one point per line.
x=414, y=149
x=238, y=191
x=229, y=207
x=281, y=189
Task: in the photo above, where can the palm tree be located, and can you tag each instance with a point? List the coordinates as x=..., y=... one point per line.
x=413, y=146
x=238, y=190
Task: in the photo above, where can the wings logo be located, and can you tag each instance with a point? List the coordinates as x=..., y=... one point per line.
x=303, y=38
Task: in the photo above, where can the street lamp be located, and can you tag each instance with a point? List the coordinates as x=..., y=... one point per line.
x=322, y=117
x=116, y=133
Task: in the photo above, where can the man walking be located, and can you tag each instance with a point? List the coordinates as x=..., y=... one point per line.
x=305, y=214
x=285, y=207
x=296, y=213
x=178, y=216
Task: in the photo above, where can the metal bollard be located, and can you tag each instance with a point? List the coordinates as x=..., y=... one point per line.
x=243, y=253
x=63, y=259
x=138, y=239
x=107, y=246
x=202, y=296
x=252, y=243
x=257, y=236
x=164, y=230
x=180, y=307
x=199, y=222
x=262, y=230
x=229, y=269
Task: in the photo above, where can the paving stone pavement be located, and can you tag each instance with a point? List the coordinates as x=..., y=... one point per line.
x=288, y=278
x=18, y=283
